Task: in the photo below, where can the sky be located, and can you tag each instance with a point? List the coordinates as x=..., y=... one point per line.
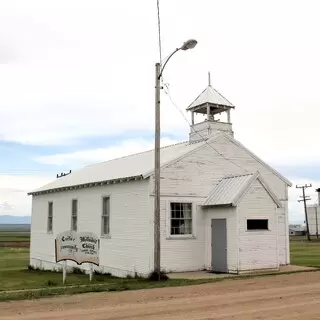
x=77, y=83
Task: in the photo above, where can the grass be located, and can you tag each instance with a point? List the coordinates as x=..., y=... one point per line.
x=14, y=275
x=305, y=253
x=14, y=236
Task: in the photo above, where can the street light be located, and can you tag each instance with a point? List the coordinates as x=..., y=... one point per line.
x=190, y=44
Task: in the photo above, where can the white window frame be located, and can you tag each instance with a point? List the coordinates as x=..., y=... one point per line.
x=74, y=227
x=50, y=217
x=168, y=220
x=105, y=216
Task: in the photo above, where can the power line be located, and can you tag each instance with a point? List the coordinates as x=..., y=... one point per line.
x=166, y=90
x=159, y=32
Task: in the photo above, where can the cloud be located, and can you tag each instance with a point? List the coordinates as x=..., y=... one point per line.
x=91, y=74
x=84, y=157
x=73, y=69
x=13, y=193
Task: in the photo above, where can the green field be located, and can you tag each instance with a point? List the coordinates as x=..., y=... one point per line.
x=14, y=273
x=12, y=236
x=305, y=253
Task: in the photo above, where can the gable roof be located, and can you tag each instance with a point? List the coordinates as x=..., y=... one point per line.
x=136, y=166
x=254, y=156
x=210, y=95
x=230, y=190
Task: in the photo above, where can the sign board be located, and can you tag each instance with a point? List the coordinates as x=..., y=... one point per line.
x=79, y=247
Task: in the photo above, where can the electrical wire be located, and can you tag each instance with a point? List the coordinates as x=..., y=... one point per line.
x=166, y=90
x=159, y=32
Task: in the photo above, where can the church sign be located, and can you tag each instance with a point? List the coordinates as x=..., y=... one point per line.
x=79, y=247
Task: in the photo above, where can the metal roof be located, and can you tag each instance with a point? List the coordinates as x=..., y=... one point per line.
x=210, y=95
x=230, y=190
x=136, y=165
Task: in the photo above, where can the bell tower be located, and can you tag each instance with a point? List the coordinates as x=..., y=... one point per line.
x=216, y=111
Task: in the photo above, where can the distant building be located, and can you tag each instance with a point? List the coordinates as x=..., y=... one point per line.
x=297, y=230
x=222, y=208
x=313, y=212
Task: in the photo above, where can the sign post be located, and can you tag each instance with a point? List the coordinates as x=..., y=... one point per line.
x=80, y=247
x=91, y=272
x=64, y=272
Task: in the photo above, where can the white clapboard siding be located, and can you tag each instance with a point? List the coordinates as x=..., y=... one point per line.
x=246, y=161
x=182, y=253
x=128, y=249
x=257, y=249
x=313, y=219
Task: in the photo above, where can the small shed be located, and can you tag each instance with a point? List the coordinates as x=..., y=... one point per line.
x=297, y=230
x=241, y=222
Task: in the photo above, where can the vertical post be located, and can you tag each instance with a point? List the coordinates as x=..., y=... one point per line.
x=228, y=115
x=316, y=212
x=91, y=272
x=157, y=175
x=64, y=272
x=304, y=199
x=316, y=208
x=192, y=118
x=208, y=111
x=306, y=213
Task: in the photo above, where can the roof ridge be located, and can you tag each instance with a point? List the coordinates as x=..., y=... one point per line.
x=197, y=97
x=238, y=175
x=135, y=154
x=221, y=94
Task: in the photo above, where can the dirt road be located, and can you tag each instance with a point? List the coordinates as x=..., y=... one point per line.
x=282, y=297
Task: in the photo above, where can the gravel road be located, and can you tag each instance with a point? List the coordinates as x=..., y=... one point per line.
x=294, y=296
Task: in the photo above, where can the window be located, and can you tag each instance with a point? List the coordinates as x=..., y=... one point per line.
x=50, y=216
x=257, y=224
x=105, y=218
x=74, y=215
x=181, y=218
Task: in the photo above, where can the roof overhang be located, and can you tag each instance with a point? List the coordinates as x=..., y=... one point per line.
x=214, y=108
x=239, y=195
x=86, y=185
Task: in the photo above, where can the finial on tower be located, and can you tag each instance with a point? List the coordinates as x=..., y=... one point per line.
x=209, y=79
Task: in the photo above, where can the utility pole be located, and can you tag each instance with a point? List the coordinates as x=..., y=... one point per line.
x=305, y=199
x=157, y=176
x=189, y=44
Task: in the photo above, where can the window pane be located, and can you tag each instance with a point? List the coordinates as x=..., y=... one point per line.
x=105, y=209
x=105, y=221
x=257, y=224
x=49, y=224
x=74, y=206
x=74, y=223
x=50, y=214
x=181, y=218
x=105, y=225
x=50, y=209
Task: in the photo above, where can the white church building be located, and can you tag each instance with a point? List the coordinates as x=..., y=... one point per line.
x=222, y=208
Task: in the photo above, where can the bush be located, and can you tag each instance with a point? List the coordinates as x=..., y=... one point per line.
x=100, y=273
x=51, y=283
x=153, y=276
x=77, y=270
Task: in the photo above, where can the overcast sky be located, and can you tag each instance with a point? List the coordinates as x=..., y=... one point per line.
x=77, y=83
